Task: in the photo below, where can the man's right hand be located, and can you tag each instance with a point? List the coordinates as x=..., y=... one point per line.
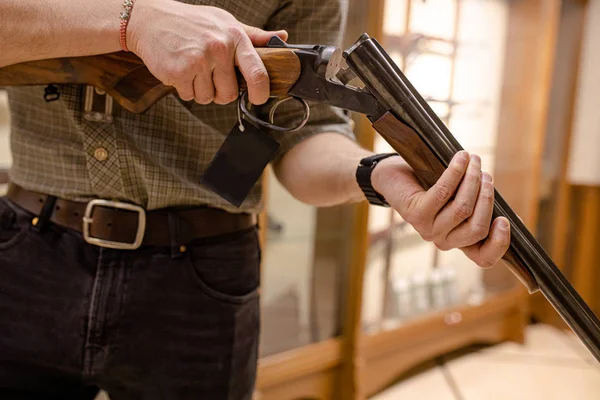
x=196, y=48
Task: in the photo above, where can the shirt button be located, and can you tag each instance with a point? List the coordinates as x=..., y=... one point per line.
x=101, y=154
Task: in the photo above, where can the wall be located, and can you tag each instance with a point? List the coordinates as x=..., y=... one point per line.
x=584, y=163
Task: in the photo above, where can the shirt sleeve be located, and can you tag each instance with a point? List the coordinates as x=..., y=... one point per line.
x=309, y=22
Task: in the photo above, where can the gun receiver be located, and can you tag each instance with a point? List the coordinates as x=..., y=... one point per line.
x=396, y=109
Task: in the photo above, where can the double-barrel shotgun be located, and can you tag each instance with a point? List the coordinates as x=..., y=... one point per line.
x=383, y=94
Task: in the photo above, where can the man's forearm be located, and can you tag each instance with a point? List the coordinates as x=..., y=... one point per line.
x=31, y=30
x=321, y=170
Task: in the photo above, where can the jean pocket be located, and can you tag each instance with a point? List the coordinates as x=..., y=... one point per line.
x=227, y=270
x=11, y=230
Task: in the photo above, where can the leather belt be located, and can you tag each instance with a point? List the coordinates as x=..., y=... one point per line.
x=120, y=225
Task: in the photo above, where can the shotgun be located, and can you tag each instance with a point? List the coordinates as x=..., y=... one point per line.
x=384, y=95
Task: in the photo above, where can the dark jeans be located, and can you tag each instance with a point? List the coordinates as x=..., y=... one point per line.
x=144, y=324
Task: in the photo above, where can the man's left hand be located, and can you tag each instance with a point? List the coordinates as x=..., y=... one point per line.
x=456, y=212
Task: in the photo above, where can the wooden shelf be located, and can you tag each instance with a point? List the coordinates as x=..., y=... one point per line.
x=311, y=372
x=390, y=354
x=305, y=373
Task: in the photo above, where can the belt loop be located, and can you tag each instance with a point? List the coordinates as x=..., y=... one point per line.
x=177, y=249
x=42, y=220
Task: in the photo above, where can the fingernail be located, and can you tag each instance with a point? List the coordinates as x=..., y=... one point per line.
x=462, y=157
x=486, y=177
x=475, y=158
x=503, y=224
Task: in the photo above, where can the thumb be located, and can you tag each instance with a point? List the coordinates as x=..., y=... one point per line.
x=260, y=38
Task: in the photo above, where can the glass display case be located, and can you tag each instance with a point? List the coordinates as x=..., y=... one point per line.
x=453, y=53
x=304, y=269
x=484, y=68
x=367, y=298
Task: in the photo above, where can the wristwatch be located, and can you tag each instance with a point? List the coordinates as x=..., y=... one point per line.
x=363, y=177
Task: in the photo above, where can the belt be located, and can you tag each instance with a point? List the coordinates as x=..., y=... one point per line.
x=125, y=226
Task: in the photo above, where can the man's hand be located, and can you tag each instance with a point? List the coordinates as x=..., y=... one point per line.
x=454, y=213
x=195, y=49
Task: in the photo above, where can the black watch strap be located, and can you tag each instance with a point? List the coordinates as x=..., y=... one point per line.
x=363, y=178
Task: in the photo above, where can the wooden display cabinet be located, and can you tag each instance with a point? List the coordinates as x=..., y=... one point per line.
x=569, y=212
x=327, y=343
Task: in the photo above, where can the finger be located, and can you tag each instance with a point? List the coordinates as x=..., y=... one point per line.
x=488, y=253
x=185, y=92
x=478, y=226
x=224, y=79
x=226, y=85
x=260, y=38
x=204, y=90
x=440, y=193
x=462, y=207
x=253, y=70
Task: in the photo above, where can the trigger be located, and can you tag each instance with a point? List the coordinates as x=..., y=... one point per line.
x=276, y=42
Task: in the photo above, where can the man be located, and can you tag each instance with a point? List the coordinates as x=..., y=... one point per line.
x=177, y=317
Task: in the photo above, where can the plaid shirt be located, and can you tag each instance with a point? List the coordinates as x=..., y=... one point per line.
x=157, y=159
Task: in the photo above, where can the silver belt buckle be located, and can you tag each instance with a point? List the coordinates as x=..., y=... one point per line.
x=87, y=222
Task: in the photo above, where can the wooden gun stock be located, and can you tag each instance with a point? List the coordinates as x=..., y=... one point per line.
x=428, y=168
x=125, y=77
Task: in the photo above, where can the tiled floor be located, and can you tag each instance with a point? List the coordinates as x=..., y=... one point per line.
x=552, y=365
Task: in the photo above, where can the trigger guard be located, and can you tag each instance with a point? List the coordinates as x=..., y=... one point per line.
x=270, y=125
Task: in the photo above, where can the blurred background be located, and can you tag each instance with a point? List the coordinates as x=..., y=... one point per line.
x=356, y=305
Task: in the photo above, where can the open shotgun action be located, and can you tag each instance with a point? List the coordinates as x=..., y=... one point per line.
x=395, y=108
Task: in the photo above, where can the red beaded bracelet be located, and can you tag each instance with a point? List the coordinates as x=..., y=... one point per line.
x=125, y=15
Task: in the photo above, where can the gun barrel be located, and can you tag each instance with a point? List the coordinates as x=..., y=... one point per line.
x=387, y=83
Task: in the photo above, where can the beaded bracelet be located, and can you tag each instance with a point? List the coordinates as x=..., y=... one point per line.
x=125, y=15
